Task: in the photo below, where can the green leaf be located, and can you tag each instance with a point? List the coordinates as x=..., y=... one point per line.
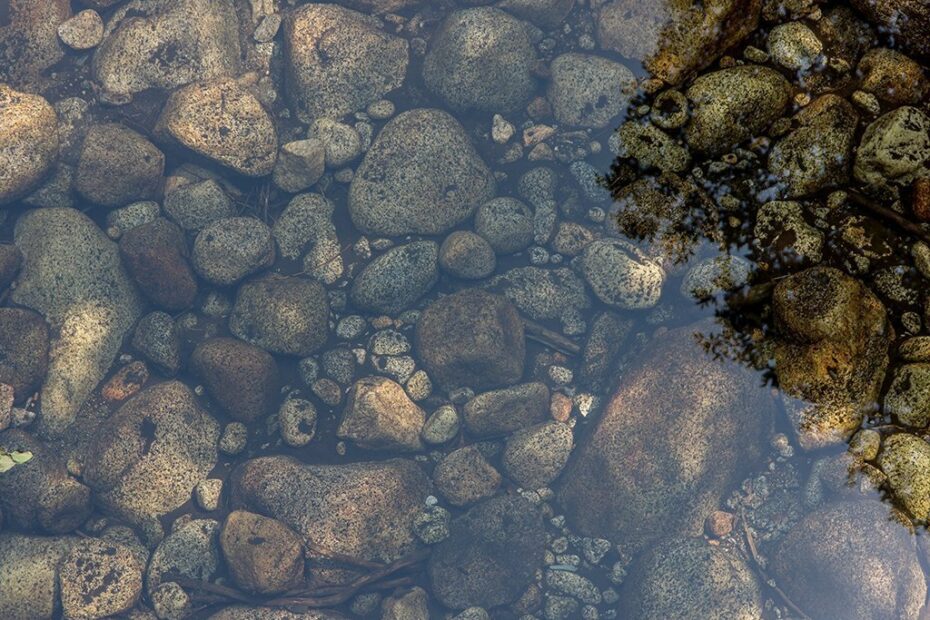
x=21, y=457
x=6, y=463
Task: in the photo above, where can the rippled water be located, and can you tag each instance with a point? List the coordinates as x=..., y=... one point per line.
x=711, y=244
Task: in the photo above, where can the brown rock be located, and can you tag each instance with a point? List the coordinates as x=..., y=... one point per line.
x=893, y=77
x=28, y=141
x=241, y=377
x=263, y=555
x=920, y=199
x=500, y=412
x=127, y=381
x=118, y=166
x=29, y=39
x=465, y=476
x=471, y=338
x=380, y=416
x=674, y=38
x=24, y=342
x=156, y=255
x=907, y=20
x=99, y=579
x=665, y=451
x=719, y=523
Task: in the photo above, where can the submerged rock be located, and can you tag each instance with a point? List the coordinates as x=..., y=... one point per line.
x=118, y=166
x=73, y=275
x=464, y=476
x=28, y=142
x=690, y=578
x=379, y=415
x=29, y=39
x=29, y=574
x=621, y=275
x=500, y=412
x=672, y=38
x=589, y=91
x=481, y=59
x=831, y=355
x=422, y=175
x=156, y=256
x=908, y=21
x=893, y=77
x=263, y=555
x=894, y=149
x=395, y=280
x=905, y=459
x=241, y=377
x=191, y=551
x=24, y=339
x=665, y=452
x=306, y=225
x=851, y=560
x=339, y=61
x=99, y=579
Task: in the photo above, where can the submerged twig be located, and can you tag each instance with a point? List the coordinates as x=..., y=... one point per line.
x=887, y=214
x=554, y=340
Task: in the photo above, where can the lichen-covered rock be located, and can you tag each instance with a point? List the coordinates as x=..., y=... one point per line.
x=29, y=575
x=894, y=148
x=72, y=275
x=664, y=452
x=422, y=175
x=166, y=44
x=589, y=91
x=471, y=338
x=674, y=38
x=481, y=59
x=118, y=166
x=263, y=555
x=156, y=256
x=831, y=355
x=621, y=275
x=464, y=476
x=282, y=314
x=395, y=280
x=28, y=141
x=688, y=577
x=908, y=394
x=816, y=155
x=152, y=452
x=491, y=555
x=905, y=459
x=241, y=377
x=99, y=579
x=339, y=61
x=363, y=510
x=379, y=415
x=851, y=560
x=224, y=122
x=733, y=105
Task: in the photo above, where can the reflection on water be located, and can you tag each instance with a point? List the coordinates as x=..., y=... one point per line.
x=517, y=309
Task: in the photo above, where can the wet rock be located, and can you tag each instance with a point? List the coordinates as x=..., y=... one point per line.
x=99, y=579
x=198, y=204
x=29, y=40
x=794, y=46
x=606, y=337
x=392, y=282
x=40, y=494
x=306, y=224
x=83, y=31
x=464, y=477
x=24, y=342
x=674, y=39
x=380, y=416
x=490, y=556
x=621, y=275
x=121, y=220
x=817, y=154
x=73, y=276
x=589, y=91
x=29, y=141
x=241, y=377
x=500, y=412
x=341, y=143
x=717, y=275
x=893, y=77
x=232, y=248
x=422, y=175
x=339, y=61
x=547, y=14
x=905, y=459
x=894, y=148
x=907, y=20
x=300, y=164
x=664, y=453
x=784, y=237
x=690, y=576
x=908, y=395
x=364, y=510
x=241, y=612
x=156, y=256
x=11, y=259
x=170, y=601
x=158, y=338
x=481, y=59
x=467, y=255
x=651, y=147
x=506, y=224
x=118, y=166
x=441, y=426
x=543, y=293
x=207, y=494
x=29, y=574
x=297, y=420
x=414, y=605
x=851, y=560
x=534, y=456
x=152, y=452
x=191, y=551
x=471, y=338
x=223, y=122
x=166, y=44
x=263, y=555
x=732, y=105
x=282, y=314
x=831, y=358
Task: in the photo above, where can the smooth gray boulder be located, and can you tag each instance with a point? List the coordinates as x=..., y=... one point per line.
x=395, y=280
